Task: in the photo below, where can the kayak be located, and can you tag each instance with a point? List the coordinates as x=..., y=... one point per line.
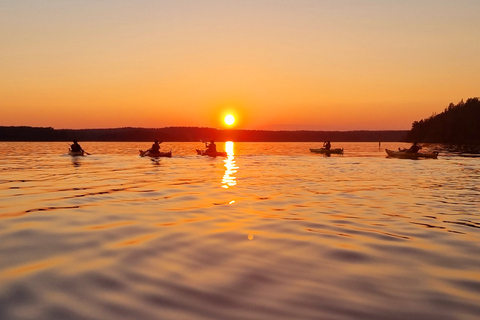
x=211, y=154
x=76, y=153
x=147, y=153
x=325, y=151
x=402, y=154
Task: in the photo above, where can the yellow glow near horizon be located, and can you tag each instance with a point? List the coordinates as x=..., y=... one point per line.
x=229, y=119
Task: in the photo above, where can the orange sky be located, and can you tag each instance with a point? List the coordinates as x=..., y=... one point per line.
x=322, y=65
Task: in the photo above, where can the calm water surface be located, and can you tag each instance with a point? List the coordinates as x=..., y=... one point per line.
x=270, y=232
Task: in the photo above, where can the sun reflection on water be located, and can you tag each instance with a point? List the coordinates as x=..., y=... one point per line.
x=229, y=179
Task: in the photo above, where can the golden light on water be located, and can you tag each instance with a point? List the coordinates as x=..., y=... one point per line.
x=229, y=148
x=229, y=179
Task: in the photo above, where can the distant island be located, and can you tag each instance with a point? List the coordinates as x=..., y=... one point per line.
x=194, y=134
x=457, y=125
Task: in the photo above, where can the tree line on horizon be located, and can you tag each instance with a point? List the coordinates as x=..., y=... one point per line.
x=194, y=134
x=458, y=124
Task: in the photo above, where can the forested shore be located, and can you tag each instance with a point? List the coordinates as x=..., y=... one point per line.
x=192, y=134
x=457, y=125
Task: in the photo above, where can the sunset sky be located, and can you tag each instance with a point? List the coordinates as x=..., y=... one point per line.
x=273, y=64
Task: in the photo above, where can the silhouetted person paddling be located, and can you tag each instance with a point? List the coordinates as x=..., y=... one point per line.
x=155, y=147
x=211, y=147
x=327, y=145
x=414, y=148
x=75, y=147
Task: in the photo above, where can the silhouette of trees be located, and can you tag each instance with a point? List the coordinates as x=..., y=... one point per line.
x=457, y=124
x=194, y=134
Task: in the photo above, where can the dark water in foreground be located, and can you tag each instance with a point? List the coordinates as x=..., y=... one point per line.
x=271, y=232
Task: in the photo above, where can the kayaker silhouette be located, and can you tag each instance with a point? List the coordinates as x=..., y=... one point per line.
x=414, y=148
x=211, y=147
x=155, y=147
x=327, y=145
x=75, y=147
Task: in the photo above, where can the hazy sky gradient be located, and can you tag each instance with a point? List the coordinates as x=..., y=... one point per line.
x=324, y=65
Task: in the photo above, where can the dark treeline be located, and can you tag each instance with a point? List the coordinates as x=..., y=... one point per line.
x=193, y=134
x=457, y=124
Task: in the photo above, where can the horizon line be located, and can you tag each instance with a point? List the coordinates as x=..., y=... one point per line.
x=197, y=127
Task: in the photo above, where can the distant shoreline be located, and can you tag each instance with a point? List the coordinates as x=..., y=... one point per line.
x=195, y=134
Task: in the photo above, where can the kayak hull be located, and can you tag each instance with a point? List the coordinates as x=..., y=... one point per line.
x=211, y=154
x=76, y=153
x=325, y=151
x=147, y=153
x=411, y=155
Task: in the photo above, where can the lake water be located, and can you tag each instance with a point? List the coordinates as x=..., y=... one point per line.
x=270, y=232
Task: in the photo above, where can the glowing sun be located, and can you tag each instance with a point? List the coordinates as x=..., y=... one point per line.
x=229, y=119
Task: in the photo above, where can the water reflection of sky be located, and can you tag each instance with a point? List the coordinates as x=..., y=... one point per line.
x=357, y=219
x=228, y=179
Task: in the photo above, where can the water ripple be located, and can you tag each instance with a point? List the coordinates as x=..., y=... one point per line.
x=294, y=236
